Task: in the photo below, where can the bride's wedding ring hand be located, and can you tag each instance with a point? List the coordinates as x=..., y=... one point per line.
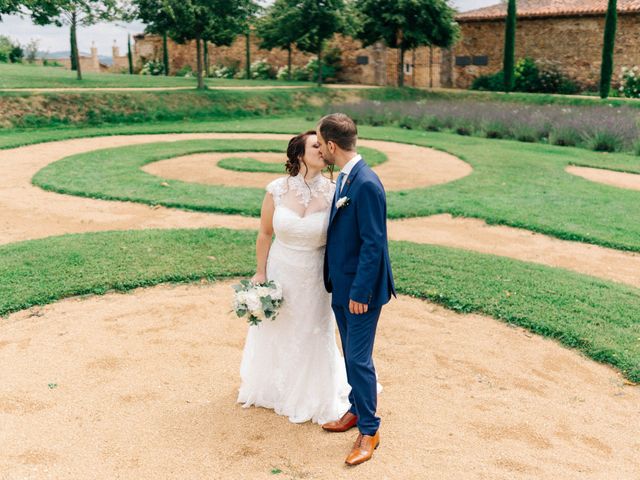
x=358, y=308
x=259, y=278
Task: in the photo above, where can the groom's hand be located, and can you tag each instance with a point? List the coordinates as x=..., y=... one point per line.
x=358, y=308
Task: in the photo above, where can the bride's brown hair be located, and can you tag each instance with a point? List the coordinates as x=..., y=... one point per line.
x=295, y=153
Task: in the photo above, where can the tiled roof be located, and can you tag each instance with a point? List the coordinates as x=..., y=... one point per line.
x=549, y=8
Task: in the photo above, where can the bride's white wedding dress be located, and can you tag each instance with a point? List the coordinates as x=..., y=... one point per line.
x=292, y=364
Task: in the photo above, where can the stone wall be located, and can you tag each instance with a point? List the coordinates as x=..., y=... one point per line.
x=149, y=47
x=572, y=44
x=119, y=63
x=374, y=65
x=89, y=64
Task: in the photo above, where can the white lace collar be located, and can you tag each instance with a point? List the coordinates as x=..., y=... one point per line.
x=311, y=188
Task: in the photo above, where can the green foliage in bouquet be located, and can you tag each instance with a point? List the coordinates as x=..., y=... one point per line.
x=257, y=302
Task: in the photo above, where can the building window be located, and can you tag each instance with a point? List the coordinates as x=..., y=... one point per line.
x=408, y=69
x=463, y=61
x=480, y=60
x=362, y=60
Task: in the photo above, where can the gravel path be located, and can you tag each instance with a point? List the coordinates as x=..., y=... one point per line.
x=142, y=385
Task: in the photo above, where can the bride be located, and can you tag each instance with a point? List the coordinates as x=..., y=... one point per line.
x=292, y=364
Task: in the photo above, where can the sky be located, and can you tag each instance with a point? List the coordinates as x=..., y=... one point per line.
x=55, y=39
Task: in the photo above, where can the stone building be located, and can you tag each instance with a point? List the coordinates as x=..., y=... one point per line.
x=374, y=65
x=91, y=63
x=566, y=34
x=119, y=63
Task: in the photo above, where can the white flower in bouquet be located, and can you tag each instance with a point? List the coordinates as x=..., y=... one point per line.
x=252, y=300
x=276, y=294
x=263, y=291
x=257, y=302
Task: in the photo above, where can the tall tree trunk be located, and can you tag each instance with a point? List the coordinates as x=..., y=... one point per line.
x=199, y=63
x=508, y=66
x=165, y=53
x=430, y=66
x=129, y=54
x=606, y=70
x=399, y=39
x=74, y=44
x=413, y=66
x=206, y=58
x=320, y=66
x=248, y=59
x=289, y=62
x=401, y=68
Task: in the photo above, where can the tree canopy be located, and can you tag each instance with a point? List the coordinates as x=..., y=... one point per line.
x=321, y=20
x=74, y=13
x=281, y=27
x=8, y=7
x=215, y=21
x=406, y=25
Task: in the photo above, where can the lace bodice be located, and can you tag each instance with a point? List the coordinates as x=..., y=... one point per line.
x=300, y=196
x=301, y=215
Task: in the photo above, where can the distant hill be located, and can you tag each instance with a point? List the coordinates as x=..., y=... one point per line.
x=106, y=60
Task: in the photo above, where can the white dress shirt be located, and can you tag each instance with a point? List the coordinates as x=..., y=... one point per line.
x=347, y=169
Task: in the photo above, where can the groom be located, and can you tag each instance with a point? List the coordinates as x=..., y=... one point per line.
x=357, y=272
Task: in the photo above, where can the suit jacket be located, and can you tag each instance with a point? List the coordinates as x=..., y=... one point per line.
x=356, y=262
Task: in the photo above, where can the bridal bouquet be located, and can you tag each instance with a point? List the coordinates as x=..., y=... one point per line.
x=257, y=302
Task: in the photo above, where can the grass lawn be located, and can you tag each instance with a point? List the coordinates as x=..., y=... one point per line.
x=283, y=124
x=516, y=184
x=513, y=183
x=597, y=317
x=248, y=164
x=35, y=76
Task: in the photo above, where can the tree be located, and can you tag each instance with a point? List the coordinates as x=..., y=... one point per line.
x=247, y=48
x=8, y=7
x=281, y=27
x=215, y=21
x=165, y=53
x=30, y=51
x=508, y=64
x=75, y=13
x=254, y=8
x=321, y=20
x=206, y=58
x=129, y=54
x=406, y=25
x=12, y=52
x=606, y=70
x=157, y=21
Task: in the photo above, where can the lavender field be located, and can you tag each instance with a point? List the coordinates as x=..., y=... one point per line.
x=598, y=127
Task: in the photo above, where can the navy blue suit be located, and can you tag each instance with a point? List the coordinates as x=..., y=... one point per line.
x=357, y=267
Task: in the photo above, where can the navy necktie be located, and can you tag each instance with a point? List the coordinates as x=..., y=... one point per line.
x=339, y=186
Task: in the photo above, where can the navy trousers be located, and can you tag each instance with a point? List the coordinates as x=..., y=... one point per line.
x=357, y=333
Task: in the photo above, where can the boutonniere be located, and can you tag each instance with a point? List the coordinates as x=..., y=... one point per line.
x=342, y=202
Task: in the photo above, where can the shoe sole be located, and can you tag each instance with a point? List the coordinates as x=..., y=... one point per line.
x=342, y=430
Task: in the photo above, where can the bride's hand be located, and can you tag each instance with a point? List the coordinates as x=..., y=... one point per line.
x=259, y=278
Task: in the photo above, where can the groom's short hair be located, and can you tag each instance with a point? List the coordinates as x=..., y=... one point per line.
x=339, y=129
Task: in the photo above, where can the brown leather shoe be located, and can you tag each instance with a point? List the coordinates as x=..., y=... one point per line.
x=348, y=420
x=363, y=449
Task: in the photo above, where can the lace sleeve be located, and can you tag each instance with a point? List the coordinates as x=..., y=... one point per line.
x=277, y=189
